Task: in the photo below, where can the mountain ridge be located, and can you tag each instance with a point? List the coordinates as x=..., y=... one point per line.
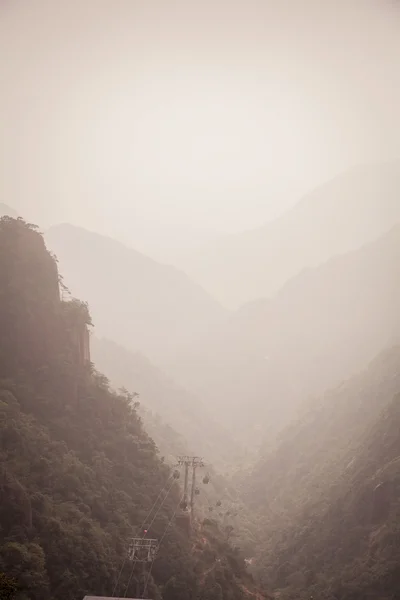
x=338, y=216
x=324, y=324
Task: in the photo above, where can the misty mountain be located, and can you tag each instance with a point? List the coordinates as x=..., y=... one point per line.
x=321, y=327
x=312, y=452
x=7, y=211
x=139, y=303
x=79, y=475
x=328, y=493
x=352, y=209
x=177, y=419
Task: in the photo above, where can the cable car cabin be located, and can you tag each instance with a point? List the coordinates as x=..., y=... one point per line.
x=184, y=521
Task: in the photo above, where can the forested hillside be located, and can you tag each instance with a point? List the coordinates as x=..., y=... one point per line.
x=322, y=326
x=328, y=494
x=79, y=474
x=137, y=302
x=179, y=425
x=339, y=216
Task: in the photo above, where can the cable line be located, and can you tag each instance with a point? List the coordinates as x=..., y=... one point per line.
x=154, y=518
x=142, y=526
x=158, y=547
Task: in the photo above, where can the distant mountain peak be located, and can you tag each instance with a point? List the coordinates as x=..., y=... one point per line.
x=338, y=216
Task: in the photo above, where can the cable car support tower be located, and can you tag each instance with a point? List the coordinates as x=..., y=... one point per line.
x=193, y=463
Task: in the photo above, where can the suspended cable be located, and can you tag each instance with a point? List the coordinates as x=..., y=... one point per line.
x=154, y=518
x=157, y=499
x=158, y=547
x=143, y=524
x=130, y=577
x=158, y=509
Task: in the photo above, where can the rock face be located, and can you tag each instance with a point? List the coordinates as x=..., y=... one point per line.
x=29, y=306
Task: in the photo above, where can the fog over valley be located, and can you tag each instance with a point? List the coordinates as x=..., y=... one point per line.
x=199, y=300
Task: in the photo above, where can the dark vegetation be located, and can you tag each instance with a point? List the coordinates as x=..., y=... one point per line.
x=328, y=494
x=78, y=473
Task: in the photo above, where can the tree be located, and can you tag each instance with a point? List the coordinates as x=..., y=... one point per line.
x=8, y=587
x=176, y=590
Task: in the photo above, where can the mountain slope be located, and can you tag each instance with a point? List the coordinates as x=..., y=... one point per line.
x=339, y=216
x=311, y=453
x=78, y=473
x=321, y=327
x=135, y=301
x=159, y=395
x=179, y=425
x=328, y=494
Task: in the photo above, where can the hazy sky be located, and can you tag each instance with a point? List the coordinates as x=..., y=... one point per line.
x=133, y=115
